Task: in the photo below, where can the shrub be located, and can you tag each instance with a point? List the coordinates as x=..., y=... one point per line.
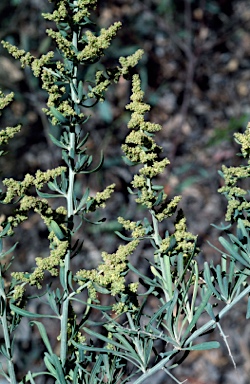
x=126, y=341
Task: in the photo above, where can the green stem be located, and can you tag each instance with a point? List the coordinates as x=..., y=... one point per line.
x=70, y=213
x=6, y=335
x=152, y=371
x=65, y=307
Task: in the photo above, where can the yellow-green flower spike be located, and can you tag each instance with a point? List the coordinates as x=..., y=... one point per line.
x=97, y=44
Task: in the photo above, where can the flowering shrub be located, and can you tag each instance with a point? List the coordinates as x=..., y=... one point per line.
x=124, y=343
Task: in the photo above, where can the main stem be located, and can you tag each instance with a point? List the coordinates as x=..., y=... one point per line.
x=70, y=213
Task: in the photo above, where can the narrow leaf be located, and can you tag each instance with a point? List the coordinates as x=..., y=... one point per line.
x=59, y=369
x=83, y=140
x=2, y=255
x=128, y=162
x=203, y=346
x=80, y=90
x=96, y=369
x=44, y=335
x=232, y=253
x=52, y=303
x=106, y=339
x=57, y=142
x=5, y=230
x=45, y=195
x=123, y=237
x=24, y=313
x=49, y=366
x=57, y=230
x=97, y=167
x=58, y=115
x=208, y=279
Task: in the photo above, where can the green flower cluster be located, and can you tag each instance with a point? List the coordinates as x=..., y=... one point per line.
x=62, y=42
x=42, y=207
x=87, y=49
x=140, y=148
x=40, y=68
x=9, y=132
x=5, y=99
x=63, y=11
x=138, y=231
x=99, y=201
x=184, y=240
x=168, y=208
x=59, y=247
x=244, y=140
x=109, y=274
x=102, y=80
x=18, y=293
x=50, y=264
x=26, y=59
x=102, y=84
x=237, y=196
x=19, y=188
x=97, y=44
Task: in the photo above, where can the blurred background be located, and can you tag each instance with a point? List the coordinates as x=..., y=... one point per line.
x=195, y=73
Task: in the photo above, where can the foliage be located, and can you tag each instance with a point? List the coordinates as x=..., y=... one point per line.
x=126, y=341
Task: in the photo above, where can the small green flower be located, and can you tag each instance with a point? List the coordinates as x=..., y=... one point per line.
x=119, y=308
x=136, y=227
x=139, y=181
x=169, y=210
x=38, y=64
x=5, y=99
x=18, y=292
x=133, y=287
